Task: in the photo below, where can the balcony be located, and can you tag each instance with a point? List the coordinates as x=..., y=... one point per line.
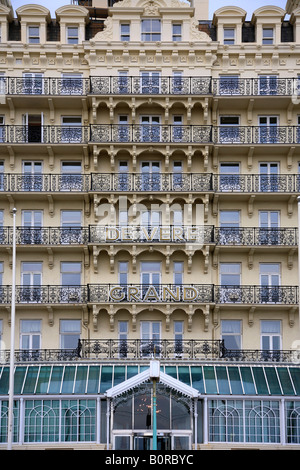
x=145, y=85
x=30, y=182
x=256, y=183
x=256, y=236
x=261, y=86
x=260, y=135
x=141, y=85
x=103, y=350
x=64, y=86
x=150, y=133
x=256, y=295
x=44, y=134
x=154, y=182
x=45, y=294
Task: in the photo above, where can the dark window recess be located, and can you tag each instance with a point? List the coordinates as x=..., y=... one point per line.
x=53, y=31
x=287, y=32
x=92, y=28
x=14, y=31
x=208, y=28
x=248, y=32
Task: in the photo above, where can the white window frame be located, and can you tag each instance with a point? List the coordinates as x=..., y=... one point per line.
x=154, y=36
x=124, y=35
x=72, y=38
x=176, y=36
x=231, y=38
x=266, y=38
x=33, y=38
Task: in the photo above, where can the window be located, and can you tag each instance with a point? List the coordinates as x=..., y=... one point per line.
x=70, y=273
x=1, y=172
x=229, y=228
x=123, y=273
x=33, y=34
x=2, y=132
x=151, y=177
x=30, y=334
x=71, y=84
x=1, y=272
x=123, y=334
x=150, y=337
x=33, y=83
x=71, y=129
x=270, y=282
x=150, y=221
x=71, y=227
x=178, y=273
x=230, y=85
x=151, y=273
x=72, y=35
x=150, y=82
x=176, y=32
x=231, y=333
x=229, y=36
x=31, y=280
x=269, y=233
x=123, y=176
x=151, y=30
x=230, y=279
x=123, y=82
x=268, y=129
x=269, y=176
x=125, y=31
x=230, y=179
x=32, y=221
x=150, y=129
x=32, y=176
x=70, y=281
x=71, y=178
x=178, y=129
x=229, y=131
x=69, y=333
x=177, y=175
x=268, y=35
x=178, y=338
x=268, y=84
x=270, y=335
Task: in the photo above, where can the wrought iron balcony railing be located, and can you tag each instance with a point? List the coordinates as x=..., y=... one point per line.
x=256, y=236
x=136, y=182
x=141, y=349
x=44, y=134
x=198, y=234
x=150, y=85
x=144, y=349
x=54, y=86
x=255, y=294
x=155, y=182
x=25, y=182
x=150, y=133
x=256, y=183
x=231, y=135
x=261, y=86
x=45, y=294
x=142, y=85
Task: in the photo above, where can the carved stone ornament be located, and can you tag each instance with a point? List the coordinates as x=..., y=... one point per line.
x=107, y=33
x=197, y=35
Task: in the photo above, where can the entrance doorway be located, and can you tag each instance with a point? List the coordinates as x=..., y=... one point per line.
x=142, y=442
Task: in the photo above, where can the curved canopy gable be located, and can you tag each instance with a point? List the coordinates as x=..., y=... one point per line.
x=144, y=376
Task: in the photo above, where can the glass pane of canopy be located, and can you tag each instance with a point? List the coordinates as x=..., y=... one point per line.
x=207, y=379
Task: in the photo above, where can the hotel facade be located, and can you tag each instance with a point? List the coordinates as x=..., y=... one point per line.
x=149, y=163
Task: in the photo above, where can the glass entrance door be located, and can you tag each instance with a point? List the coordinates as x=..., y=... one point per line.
x=146, y=442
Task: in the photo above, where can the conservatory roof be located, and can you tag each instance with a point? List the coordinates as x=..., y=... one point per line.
x=92, y=379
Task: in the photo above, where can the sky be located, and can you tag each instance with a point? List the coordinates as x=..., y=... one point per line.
x=250, y=7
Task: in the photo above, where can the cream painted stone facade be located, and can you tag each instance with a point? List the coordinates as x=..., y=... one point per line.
x=153, y=159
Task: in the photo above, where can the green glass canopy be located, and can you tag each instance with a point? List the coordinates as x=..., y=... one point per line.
x=93, y=379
